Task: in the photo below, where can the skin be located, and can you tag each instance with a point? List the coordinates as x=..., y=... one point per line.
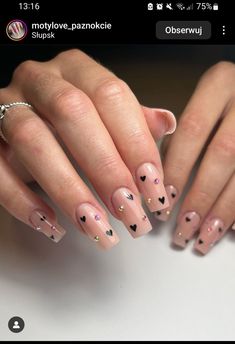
x=74, y=96
x=64, y=87
x=211, y=194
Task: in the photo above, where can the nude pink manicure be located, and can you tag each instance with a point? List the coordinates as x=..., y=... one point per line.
x=163, y=215
x=96, y=226
x=212, y=231
x=187, y=227
x=152, y=188
x=42, y=223
x=130, y=211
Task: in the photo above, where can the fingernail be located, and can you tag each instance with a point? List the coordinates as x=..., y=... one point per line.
x=96, y=226
x=42, y=223
x=128, y=206
x=152, y=188
x=172, y=194
x=169, y=121
x=233, y=226
x=211, y=231
x=186, y=228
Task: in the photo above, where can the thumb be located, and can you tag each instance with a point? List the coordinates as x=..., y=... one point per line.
x=161, y=122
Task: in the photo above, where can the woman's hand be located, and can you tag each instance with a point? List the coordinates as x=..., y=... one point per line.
x=208, y=121
x=100, y=122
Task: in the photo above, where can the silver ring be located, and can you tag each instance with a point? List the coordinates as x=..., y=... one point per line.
x=3, y=110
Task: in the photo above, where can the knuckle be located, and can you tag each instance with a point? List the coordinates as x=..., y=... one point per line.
x=70, y=102
x=203, y=196
x=25, y=70
x=137, y=142
x=70, y=54
x=106, y=163
x=191, y=125
x=110, y=89
x=64, y=187
x=223, y=147
x=109, y=165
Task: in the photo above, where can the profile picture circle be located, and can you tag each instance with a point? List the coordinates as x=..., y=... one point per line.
x=16, y=30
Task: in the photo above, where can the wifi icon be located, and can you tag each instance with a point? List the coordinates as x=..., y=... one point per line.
x=180, y=6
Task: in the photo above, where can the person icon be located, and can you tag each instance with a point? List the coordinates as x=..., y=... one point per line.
x=16, y=325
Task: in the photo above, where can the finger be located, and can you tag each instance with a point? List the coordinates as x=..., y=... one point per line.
x=29, y=137
x=218, y=221
x=198, y=120
x=16, y=165
x=161, y=122
x=77, y=122
x=123, y=117
x=216, y=169
x=25, y=205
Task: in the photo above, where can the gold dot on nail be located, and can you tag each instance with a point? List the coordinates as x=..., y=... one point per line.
x=168, y=212
x=144, y=217
x=97, y=238
x=149, y=200
x=38, y=228
x=121, y=208
x=179, y=234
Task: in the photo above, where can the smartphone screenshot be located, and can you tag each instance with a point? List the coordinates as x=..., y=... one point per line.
x=117, y=170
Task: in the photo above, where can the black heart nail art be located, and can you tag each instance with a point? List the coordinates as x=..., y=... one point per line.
x=186, y=241
x=43, y=218
x=173, y=195
x=52, y=237
x=162, y=199
x=187, y=219
x=200, y=241
x=110, y=232
x=133, y=227
x=158, y=212
x=83, y=218
x=143, y=178
x=130, y=196
x=220, y=230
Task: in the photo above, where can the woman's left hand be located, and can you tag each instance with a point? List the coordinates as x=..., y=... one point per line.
x=206, y=128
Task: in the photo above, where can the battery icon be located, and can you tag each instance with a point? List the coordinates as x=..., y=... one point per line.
x=215, y=7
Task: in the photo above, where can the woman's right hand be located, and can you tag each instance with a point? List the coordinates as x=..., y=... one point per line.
x=103, y=126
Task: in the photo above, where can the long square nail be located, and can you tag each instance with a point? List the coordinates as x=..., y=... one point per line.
x=211, y=231
x=151, y=187
x=42, y=223
x=172, y=194
x=130, y=211
x=186, y=228
x=96, y=226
